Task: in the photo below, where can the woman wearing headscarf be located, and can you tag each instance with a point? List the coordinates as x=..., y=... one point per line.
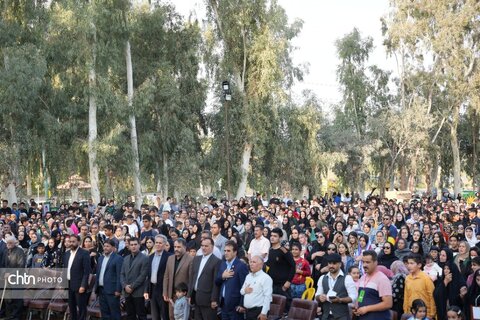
x=450, y=288
x=462, y=259
x=473, y=295
x=398, y=286
x=401, y=249
x=387, y=255
x=470, y=236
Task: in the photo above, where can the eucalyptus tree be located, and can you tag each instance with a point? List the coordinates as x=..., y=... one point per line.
x=249, y=43
x=442, y=35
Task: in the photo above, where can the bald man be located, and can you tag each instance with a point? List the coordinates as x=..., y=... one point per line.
x=257, y=291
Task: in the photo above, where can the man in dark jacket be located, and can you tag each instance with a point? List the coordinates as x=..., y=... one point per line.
x=77, y=263
x=133, y=278
x=108, y=284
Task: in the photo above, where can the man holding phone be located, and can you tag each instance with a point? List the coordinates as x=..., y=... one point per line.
x=335, y=290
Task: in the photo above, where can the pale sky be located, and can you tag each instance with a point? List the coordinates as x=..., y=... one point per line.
x=324, y=22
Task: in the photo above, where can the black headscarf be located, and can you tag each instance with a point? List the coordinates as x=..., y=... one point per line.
x=387, y=259
x=451, y=292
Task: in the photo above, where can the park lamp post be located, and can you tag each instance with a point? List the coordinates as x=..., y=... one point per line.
x=227, y=94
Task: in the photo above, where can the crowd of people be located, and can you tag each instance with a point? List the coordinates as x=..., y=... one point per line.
x=368, y=258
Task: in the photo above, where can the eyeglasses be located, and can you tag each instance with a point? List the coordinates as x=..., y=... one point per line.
x=320, y=236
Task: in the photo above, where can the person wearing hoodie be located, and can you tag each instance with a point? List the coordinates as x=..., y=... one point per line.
x=402, y=249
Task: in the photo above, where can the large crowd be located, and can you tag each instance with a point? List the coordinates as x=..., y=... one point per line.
x=368, y=259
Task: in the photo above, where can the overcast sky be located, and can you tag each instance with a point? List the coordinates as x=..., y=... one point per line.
x=324, y=22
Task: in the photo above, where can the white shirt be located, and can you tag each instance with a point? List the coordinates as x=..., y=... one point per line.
x=349, y=285
x=103, y=268
x=261, y=296
x=200, y=269
x=216, y=253
x=132, y=229
x=70, y=262
x=259, y=247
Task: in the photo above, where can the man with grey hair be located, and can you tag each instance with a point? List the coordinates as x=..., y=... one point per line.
x=13, y=257
x=257, y=291
x=154, y=288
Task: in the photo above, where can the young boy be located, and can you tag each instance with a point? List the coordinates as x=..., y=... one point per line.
x=418, y=285
x=37, y=261
x=181, y=308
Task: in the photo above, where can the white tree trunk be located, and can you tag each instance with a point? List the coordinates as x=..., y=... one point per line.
x=457, y=187
x=165, y=176
x=306, y=192
x=244, y=168
x=434, y=176
x=11, y=193
x=75, y=193
x=28, y=179
x=92, y=135
x=133, y=129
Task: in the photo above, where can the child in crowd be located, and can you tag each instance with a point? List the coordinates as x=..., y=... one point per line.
x=419, y=310
x=455, y=313
x=418, y=285
x=302, y=270
x=38, y=259
x=181, y=308
x=354, y=272
x=432, y=269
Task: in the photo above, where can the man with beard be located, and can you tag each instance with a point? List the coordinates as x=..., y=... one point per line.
x=374, y=292
x=335, y=290
x=178, y=270
x=77, y=262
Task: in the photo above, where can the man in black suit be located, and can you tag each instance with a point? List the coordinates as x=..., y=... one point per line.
x=108, y=285
x=156, y=271
x=133, y=279
x=202, y=289
x=77, y=262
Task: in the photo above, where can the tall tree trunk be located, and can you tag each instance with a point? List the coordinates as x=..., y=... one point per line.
x=133, y=129
x=455, y=151
x=475, y=128
x=403, y=174
x=158, y=178
x=92, y=137
x=434, y=175
x=244, y=168
x=28, y=180
x=165, y=176
x=428, y=178
x=92, y=121
x=392, y=176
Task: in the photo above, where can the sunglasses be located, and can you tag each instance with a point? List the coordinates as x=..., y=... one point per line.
x=387, y=248
x=332, y=249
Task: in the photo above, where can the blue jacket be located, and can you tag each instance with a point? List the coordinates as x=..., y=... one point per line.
x=111, y=277
x=232, y=286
